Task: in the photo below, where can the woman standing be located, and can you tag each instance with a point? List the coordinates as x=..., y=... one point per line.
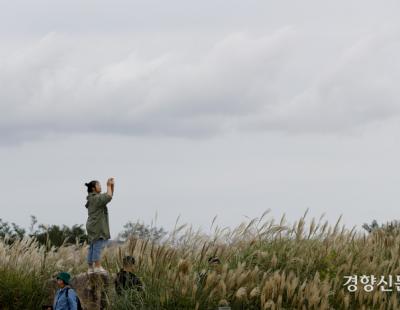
x=97, y=225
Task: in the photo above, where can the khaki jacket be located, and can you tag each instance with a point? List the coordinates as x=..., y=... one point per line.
x=97, y=225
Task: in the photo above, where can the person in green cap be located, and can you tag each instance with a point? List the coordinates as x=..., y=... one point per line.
x=66, y=298
x=97, y=225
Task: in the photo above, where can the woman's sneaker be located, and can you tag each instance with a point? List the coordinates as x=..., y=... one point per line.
x=90, y=270
x=100, y=270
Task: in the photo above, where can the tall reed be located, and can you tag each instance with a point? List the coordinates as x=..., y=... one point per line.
x=264, y=265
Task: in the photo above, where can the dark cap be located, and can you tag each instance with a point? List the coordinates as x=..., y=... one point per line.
x=65, y=276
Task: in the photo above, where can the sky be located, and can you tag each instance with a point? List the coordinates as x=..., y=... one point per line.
x=200, y=109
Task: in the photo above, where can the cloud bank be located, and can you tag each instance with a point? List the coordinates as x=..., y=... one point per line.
x=272, y=82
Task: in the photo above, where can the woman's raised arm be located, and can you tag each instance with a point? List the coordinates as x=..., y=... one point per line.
x=110, y=186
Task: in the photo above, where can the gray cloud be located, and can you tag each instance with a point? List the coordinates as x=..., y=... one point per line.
x=63, y=84
x=359, y=88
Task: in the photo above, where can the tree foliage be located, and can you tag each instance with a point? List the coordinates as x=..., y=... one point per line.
x=389, y=227
x=12, y=231
x=141, y=231
x=59, y=235
x=52, y=235
x=55, y=235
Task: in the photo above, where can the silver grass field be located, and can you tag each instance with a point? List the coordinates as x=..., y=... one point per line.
x=264, y=265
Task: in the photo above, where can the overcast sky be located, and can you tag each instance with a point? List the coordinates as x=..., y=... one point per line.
x=199, y=109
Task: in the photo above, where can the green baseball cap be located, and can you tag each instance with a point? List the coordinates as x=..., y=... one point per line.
x=65, y=276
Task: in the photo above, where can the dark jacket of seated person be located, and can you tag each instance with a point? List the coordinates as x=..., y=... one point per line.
x=126, y=279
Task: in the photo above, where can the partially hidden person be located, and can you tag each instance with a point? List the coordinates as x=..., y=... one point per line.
x=97, y=225
x=214, y=265
x=126, y=279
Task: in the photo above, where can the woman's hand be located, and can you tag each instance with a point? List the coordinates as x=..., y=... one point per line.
x=110, y=186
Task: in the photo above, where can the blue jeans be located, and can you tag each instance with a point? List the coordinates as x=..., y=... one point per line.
x=95, y=249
